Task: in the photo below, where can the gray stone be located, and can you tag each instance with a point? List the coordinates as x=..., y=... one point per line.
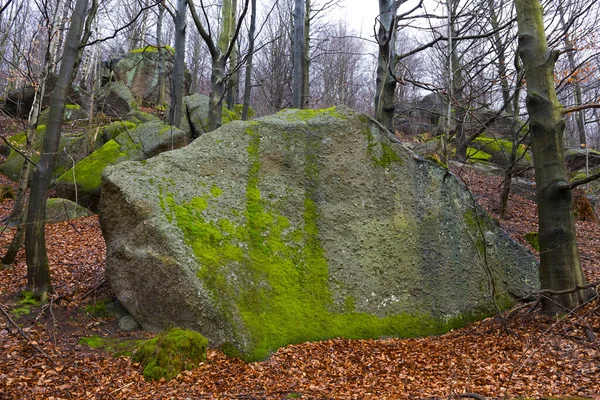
x=138, y=70
x=117, y=99
x=302, y=226
x=128, y=323
x=58, y=210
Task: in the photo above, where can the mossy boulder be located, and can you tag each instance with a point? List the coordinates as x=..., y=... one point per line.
x=139, y=71
x=73, y=112
x=301, y=226
x=499, y=151
x=577, y=159
x=117, y=99
x=195, y=118
x=73, y=148
x=139, y=142
x=58, y=210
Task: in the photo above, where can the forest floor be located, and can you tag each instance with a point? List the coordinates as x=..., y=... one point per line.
x=518, y=354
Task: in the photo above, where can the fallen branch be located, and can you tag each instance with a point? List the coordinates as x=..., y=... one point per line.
x=573, y=184
x=473, y=396
x=11, y=321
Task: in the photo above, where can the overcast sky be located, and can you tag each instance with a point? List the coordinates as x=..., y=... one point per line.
x=360, y=14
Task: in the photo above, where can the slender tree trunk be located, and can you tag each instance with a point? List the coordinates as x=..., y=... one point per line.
x=38, y=270
x=298, y=43
x=515, y=130
x=501, y=51
x=577, y=95
x=161, y=55
x=233, y=76
x=217, y=91
x=249, y=65
x=306, y=64
x=176, y=110
x=559, y=258
x=386, y=64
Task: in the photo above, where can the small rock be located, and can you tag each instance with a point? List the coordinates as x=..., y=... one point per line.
x=128, y=323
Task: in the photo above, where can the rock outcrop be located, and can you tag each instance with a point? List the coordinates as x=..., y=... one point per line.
x=302, y=226
x=139, y=71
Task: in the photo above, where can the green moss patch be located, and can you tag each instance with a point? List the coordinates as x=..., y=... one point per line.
x=533, y=239
x=492, y=145
x=477, y=155
x=114, y=346
x=87, y=172
x=170, y=353
x=26, y=302
x=152, y=49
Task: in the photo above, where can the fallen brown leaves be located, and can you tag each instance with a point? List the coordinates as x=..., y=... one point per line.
x=528, y=355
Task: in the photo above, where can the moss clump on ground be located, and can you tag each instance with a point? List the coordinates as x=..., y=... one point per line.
x=170, y=353
x=24, y=305
x=98, y=309
x=281, y=290
x=533, y=239
x=114, y=346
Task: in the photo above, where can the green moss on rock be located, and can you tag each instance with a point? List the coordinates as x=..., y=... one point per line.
x=87, y=174
x=476, y=155
x=533, y=239
x=170, y=353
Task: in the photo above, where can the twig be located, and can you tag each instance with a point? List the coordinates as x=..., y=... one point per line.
x=25, y=335
x=473, y=396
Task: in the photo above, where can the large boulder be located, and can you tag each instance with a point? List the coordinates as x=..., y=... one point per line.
x=195, y=118
x=117, y=99
x=302, y=226
x=73, y=147
x=18, y=102
x=139, y=71
x=134, y=142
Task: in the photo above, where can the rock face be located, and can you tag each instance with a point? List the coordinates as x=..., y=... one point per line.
x=19, y=101
x=302, y=226
x=138, y=70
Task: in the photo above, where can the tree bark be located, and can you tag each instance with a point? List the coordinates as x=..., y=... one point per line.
x=306, y=58
x=298, y=45
x=560, y=268
x=176, y=110
x=38, y=270
x=249, y=64
x=161, y=55
x=386, y=83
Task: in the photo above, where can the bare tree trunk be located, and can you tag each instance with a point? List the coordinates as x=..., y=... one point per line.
x=306, y=64
x=161, y=55
x=176, y=110
x=38, y=270
x=386, y=64
x=220, y=53
x=560, y=268
x=298, y=69
x=249, y=65
x=577, y=95
x=233, y=76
